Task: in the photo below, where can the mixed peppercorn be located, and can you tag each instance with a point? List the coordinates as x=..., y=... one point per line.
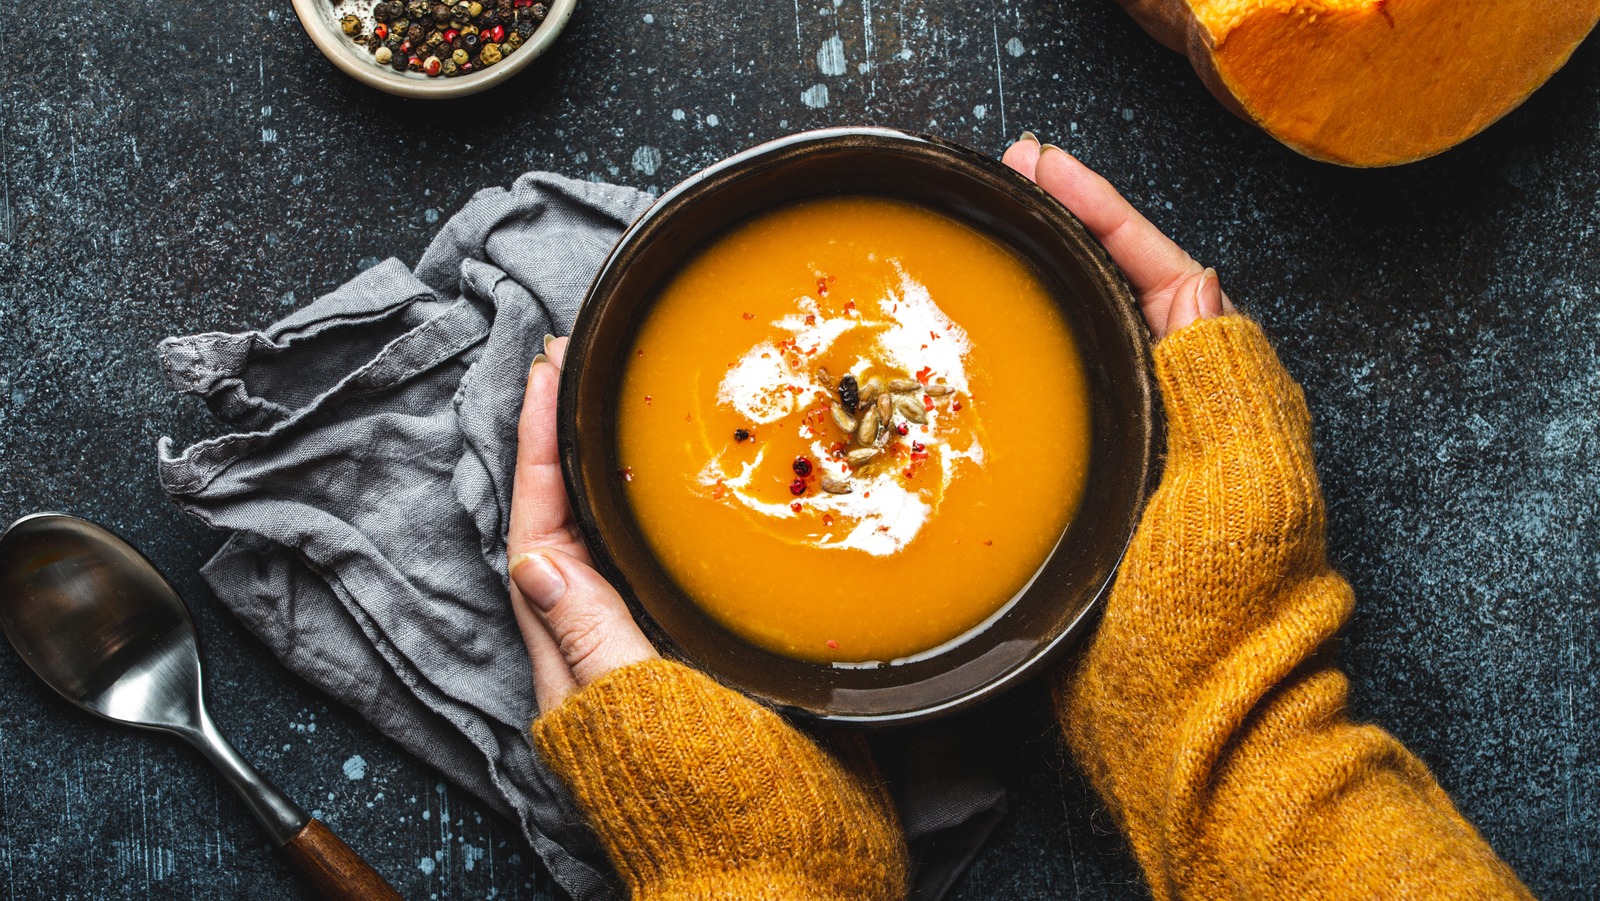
x=438, y=39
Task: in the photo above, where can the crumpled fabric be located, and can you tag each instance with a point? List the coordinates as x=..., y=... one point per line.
x=365, y=479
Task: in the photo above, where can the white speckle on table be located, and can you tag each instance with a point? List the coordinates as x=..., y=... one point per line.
x=905, y=53
x=470, y=855
x=815, y=96
x=830, y=56
x=430, y=215
x=355, y=768
x=426, y=865
x=1127, y=113
x=1014, y=47
x=646, y=159
x=649, y=19
x=980, y=111
x=679, y=115
x=269, y=136
x=863, y=67
x=713, y=121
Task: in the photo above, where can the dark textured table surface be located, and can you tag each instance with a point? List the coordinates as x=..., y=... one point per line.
x=170, y=167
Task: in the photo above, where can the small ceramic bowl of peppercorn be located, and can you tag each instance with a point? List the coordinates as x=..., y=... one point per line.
x=432, y=49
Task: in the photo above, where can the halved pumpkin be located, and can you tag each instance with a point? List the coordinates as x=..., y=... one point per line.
x=1371, y=82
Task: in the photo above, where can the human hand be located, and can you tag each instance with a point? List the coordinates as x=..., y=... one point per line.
x=577, y=628
x=1173, y=290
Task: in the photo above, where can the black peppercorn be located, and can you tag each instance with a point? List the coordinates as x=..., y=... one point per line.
x=469, y=43
x=380, y=11
x=526, y=28
x=741, y=434
x=539, y=11
x=414, y=34
x=441, y=13
x=417, y=9
x=489, y=19
x=399, y=62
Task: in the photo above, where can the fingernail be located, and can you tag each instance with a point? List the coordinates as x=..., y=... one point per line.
x=1029, y=136
x=538, y=580
x=547, y=339
x=1045, y=147
x=1208, y=295
x=539, y=358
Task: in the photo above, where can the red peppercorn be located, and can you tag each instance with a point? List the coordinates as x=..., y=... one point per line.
x=797, y=487
x=802, y=467
x=380, y=31
x=916, y=447
x=450, y=35
x=432, y=66
x=903, y=429
x=497, y=33
x=796, y=507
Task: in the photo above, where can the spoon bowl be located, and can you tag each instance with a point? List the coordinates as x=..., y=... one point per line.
x=99, y=624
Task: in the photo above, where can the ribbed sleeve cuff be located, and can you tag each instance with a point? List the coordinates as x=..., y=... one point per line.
x=1238, y=437
x=693, y=788
x=1223, y=383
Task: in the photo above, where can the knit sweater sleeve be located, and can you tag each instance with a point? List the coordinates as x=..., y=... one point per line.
x=1205, y=709
x=699, y=794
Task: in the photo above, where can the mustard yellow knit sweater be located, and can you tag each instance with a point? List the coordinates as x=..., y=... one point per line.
x=1205, y=708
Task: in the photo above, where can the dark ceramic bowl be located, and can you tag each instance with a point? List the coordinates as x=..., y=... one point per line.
x=1055, y=608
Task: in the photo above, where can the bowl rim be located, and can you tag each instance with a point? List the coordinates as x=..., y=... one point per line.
x=316, y=18
x=1126, y=309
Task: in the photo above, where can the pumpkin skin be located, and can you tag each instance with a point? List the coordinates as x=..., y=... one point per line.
x=1371, y=82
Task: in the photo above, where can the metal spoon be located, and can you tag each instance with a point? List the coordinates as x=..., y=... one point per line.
x=96, y=621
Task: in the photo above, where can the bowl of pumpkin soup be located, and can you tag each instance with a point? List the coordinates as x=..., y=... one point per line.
x=860, y=421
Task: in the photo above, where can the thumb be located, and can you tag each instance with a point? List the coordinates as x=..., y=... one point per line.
x=588, y=619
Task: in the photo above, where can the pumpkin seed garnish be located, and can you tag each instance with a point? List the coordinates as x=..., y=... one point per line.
x=843, y=420
x=885, y=408
x=835, y=486
x=937, y=390
x=861, y=457
x=911, y=408
x=871, y=390
x=867, y=429
x=824, y=377
x=902, y=386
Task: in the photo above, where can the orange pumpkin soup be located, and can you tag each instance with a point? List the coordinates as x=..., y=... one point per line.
x=966, y=408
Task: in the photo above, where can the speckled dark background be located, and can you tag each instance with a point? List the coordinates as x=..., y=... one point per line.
x=199, y=166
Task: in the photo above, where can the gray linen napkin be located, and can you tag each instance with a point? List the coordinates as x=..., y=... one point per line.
x=367, y=482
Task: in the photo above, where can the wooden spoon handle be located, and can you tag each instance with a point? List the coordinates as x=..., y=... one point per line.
x=335, y=871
